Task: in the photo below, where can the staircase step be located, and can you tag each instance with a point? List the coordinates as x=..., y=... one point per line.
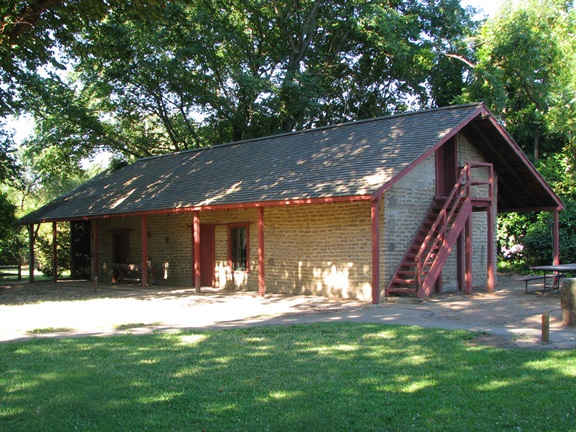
x=401, y=281
x=406, y=271
x=402, y=290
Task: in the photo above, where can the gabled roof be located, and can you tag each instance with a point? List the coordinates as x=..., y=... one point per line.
x=352, y=160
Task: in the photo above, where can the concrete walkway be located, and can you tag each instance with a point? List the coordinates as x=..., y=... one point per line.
x=508, y=318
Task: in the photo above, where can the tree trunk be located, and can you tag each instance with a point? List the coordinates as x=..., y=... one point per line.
x=536, y=143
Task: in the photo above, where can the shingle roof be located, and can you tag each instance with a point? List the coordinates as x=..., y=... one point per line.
x=352, y=159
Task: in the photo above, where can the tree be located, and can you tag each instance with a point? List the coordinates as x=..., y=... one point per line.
x=523, y=74
x=32, y=60
x=213, y=71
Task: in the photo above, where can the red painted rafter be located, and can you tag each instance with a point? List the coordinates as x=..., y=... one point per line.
x=264, y=204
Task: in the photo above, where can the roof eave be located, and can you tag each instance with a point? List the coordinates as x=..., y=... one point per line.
x=380, y=191
x=525, y=160
x=176, y=210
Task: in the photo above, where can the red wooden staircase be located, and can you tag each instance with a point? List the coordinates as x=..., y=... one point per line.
x=422, y=263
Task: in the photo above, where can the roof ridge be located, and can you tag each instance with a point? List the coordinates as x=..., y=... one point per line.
x=321, y=128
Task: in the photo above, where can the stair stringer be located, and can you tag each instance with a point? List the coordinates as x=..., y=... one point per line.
x=450, y=239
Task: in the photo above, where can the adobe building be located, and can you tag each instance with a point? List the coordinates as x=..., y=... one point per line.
x=398, y=205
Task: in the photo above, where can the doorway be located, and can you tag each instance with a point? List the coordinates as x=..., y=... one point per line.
x=446, y=168
x=80, y=248
x=207, y=255
x=120, y=250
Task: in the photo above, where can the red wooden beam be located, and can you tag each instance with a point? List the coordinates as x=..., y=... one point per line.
x=374, y=215
x=276, y=203
x=556, y=238
x=54, y=251
x=144, y=265
x=196, y=240
x=31, y=256
x=490, y=247
x=261, y=279
x=95, y=254
x=468, y=256
x=491, y=270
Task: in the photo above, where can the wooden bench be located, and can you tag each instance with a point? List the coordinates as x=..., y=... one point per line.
x=132, y=273
x=528, y=279
x=4, y=270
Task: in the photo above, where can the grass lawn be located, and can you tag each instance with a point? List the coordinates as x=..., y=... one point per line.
x=321, y=377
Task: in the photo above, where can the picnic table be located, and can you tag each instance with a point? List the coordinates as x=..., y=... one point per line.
x=132, y=272
x=559, y=271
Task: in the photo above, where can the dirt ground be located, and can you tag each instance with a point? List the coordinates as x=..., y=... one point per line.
x=510, y=317
x=74, y=308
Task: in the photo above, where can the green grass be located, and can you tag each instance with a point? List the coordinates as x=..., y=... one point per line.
x=321, y=377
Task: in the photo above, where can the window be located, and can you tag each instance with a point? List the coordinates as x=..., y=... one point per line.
x=238, y=246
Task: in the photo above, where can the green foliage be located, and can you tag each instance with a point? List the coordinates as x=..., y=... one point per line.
x=210, y=72
x=527, y=239
x=317, y=377
x=11, y=243
x=525, y=72
x=43, y=249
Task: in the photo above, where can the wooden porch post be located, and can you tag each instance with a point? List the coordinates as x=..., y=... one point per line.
x=491, y=220
x=196, y=240
x=95, y=254
x=468, y=256
x=491, y=271
x=54, y=251
x=144, y=252
x=460, y=256
x=261, y=279
x=556, y=238
x=374, y=215
x=31, y=258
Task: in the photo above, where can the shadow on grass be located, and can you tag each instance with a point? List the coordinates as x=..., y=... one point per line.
x=318, y=377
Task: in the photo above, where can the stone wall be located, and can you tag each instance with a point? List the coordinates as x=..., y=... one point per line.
x=320, y=249
x=405, y=206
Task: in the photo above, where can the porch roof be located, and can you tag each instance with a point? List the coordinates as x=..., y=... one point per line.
x=356, y=160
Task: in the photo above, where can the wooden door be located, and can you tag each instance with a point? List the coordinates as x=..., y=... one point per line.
x=207, y=255
x=446, y=168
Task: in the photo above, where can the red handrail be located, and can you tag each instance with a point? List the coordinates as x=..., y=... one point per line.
x=460, y=191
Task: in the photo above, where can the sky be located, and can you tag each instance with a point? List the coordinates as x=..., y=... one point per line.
x=489, y=7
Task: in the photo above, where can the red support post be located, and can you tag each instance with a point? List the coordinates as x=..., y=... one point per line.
x=261, y=269
x=95, y=254
x=491, y=271
x=54, y=251
x=144, y=265
x=460, y=250
x=374, y=215
x=491, y=282
x=556, y=238
x=196, y=240
x=468, y=256
x=31, y=256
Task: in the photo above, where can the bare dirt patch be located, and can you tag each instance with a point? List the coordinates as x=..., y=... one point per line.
x=508, y=318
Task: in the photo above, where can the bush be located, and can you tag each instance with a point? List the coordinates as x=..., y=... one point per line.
x=527, y=238
x=43, y=249
x=11, y=242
